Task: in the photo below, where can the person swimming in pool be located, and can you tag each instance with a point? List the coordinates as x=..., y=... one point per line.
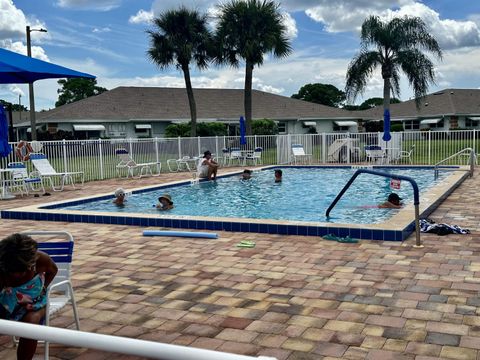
x=119, y=197
x=247, y=174
x=278, y=175
x=393, y=202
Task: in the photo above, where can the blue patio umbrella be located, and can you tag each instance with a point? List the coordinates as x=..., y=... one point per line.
x=243, y=130
x=20, y=69
x=5, y=148
x=386, y=125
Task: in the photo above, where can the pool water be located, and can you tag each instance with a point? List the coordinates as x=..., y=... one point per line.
x=303, y=195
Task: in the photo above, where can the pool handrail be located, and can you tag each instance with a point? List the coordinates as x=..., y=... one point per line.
x=472, y=160
x=117, y=344
x=416, y=197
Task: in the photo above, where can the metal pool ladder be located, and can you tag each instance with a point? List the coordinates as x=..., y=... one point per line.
x=471, y=161
x=416, y=197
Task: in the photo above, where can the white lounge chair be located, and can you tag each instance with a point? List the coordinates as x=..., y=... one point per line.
x=375, y=154
x=22, y=181
x=299, y=154
x=235, y=155
x=406, y=154
x=60, y=291
x=126, y=162
x=45, y=171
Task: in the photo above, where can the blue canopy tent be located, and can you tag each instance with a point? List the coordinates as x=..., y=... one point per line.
x=20, y=69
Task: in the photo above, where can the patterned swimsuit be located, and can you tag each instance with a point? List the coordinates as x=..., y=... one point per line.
x=17, y=301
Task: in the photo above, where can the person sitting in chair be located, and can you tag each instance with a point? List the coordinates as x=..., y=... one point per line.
x=207, y=167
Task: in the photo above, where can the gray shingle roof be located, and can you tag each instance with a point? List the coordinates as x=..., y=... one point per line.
x=153, y=103
x=444, y=102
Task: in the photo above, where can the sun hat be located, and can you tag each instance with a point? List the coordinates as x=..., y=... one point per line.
x=167, y=197
x=207, y=153
x=119, y=192
x=394, y=197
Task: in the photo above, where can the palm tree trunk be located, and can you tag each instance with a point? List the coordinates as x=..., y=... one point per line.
x=248, y=97
x=386, y=94
x=191, y=100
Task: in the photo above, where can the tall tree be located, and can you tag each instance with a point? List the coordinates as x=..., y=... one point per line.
x=181, y=37
x=247, y=31
x=324, y=94
x=75, y=89
x=393, y=46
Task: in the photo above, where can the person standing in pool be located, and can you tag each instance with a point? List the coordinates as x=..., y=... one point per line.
x=246, y=175
x=278, y=175
x=393, y=202
x=119, y=197
x=207, y=167
x=165, y=202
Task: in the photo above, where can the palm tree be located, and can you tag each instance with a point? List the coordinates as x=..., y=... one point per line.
x=247, y=30
x=181, y=37
x=395, y=45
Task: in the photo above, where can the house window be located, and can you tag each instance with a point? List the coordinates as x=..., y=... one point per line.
x=437, y=125
x=282, y=127
x=412, y=124
x=117, y=130
x=469, y=123
x=340, y=128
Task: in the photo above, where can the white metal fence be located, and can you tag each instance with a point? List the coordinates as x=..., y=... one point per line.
x=98, y=160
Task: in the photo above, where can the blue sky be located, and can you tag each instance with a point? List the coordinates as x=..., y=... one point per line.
x=107, y=38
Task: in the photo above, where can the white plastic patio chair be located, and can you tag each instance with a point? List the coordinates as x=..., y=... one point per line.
x=21, y=181
x=235, y=155
x=45, y=171
x=60, y=291
x=127, y=162
x=406, y=154
x=299, y=154
x=374, y=154
x=255, y=157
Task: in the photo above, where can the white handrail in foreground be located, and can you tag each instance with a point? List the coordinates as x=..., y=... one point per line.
x=116, y=344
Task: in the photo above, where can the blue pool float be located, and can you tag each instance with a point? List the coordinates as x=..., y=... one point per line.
x=180, y=234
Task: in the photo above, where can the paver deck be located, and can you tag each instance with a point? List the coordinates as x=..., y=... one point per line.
x=291, y=297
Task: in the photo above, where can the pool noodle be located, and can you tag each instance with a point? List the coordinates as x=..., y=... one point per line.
x=180, y=234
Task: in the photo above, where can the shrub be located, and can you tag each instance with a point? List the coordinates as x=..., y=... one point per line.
x=203, y=129
x=264, y=127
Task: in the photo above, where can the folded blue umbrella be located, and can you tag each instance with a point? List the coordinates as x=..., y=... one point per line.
x=5, y=147
x=243, y=131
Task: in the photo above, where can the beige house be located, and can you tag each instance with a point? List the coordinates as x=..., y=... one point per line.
x=133, y=112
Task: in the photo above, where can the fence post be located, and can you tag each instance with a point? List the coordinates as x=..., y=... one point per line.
x=179, y=148
x=216, y=147
x=100, y=154
x=324, y=148
x=474, y=141
x=64, y=145
x=198, y=145
x=130, y=146
x=430, y=148
x=255, y=141
x=156, y=150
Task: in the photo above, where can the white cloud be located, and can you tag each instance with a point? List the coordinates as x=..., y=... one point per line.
x=16, y=90
x=13, y=22
x=291, y=25
x=141, y=17
x=101, y=30
x=19, y=47
x=95, y=5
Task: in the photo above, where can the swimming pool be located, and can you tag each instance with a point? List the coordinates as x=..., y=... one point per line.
x=261, y=195
x=303, y=195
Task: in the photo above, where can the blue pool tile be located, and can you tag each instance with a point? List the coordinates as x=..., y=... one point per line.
x=128, y=221
x=217, y=225
x=377, y=235
x=263, y=228
x=227, y=226
x=176, y=223
x=312, y=231
x=322, y=231
x=343, y=232
x=201, y=225
x=136, y=221
x=389, y=235
x=168, y=222
x=244, y=227
x=254, y=227
x=192, y=224
x=209, y=225
x=355, y=233
x=91, y=218
x=272, y=228
x=282, y=229
x=184, y=224
x=236, y=226
x=302, y=230
x=292, y=230
x=366, y=234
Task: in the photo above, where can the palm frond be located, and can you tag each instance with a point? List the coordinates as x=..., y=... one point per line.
x=358, y=72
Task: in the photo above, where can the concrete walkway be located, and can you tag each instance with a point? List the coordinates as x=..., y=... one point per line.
x=290, y=297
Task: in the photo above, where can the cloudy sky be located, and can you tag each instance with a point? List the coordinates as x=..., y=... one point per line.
x=107, y=38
